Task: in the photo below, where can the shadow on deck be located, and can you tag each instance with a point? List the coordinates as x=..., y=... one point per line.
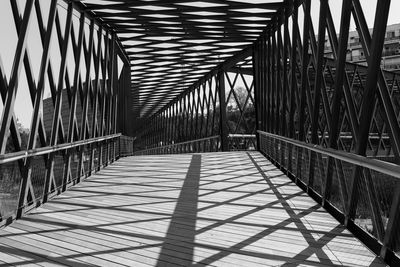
x=214, y=209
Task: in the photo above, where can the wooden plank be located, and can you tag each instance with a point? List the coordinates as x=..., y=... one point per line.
x=141, y=211
x=14, y=260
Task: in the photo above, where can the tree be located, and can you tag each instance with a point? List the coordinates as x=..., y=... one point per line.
x=24, y=134
x=240, y=112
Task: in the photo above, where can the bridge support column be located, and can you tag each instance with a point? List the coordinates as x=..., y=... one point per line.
x=257, y=87
x=222, y=114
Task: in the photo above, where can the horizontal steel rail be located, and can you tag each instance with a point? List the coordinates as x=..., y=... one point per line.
x=242, y=135
x=372, y=164
x=242, y=142
x=52, y=149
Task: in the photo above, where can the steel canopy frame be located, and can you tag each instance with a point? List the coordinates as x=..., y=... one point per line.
x=201, y=111
x=172, y=44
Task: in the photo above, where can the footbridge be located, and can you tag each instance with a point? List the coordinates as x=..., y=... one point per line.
x=198, y=133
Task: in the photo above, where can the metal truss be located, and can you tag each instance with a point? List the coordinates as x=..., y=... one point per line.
x=173, y=44
x=182, y=66
x=86, y=101
x=222, y=103
x=194, y=115
x=306, y=96
x=323, y=100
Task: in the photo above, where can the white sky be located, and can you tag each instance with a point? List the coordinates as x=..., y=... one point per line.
x=369, y=7
x=23, y=105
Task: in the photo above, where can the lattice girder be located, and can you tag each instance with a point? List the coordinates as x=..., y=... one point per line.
x=173, y=44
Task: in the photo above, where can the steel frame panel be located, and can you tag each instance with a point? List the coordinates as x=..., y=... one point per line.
x=331, y=118
x=70, y=42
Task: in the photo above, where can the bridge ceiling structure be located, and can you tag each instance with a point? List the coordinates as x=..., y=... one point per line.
x=172, y=44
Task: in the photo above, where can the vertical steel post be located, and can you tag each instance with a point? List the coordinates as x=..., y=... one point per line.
x=257, y=88
x=318, y=86
x=366, y=112
x=338, y=93
x=222, y=108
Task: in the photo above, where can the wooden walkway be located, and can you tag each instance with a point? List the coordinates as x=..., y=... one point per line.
x=214, y=209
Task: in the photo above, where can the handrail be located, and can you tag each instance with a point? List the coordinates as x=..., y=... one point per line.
x=51, y=149
x=373, y=164
x=181, y=143
x=242, y=135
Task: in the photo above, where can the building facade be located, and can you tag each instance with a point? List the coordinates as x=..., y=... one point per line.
x=390, y=54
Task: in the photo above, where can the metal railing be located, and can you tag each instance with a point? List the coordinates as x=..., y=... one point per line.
x=362, y=193
x=29, y=178
x=242, y=142
x=126, y=146
x=208, y=144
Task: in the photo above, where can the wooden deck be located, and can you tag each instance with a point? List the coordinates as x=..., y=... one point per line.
x=216, y=209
